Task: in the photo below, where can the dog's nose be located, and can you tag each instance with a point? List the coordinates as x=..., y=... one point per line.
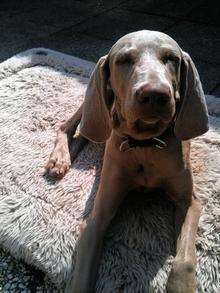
x=153, y=94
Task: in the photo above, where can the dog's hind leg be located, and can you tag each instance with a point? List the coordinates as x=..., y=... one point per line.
x=62, y=154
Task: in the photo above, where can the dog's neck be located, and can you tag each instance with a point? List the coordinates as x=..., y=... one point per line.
x=129, y=142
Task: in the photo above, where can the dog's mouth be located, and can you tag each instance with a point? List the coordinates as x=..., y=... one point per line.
x=147, y=125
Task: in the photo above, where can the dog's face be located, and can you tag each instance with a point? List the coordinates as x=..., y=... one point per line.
x=140, y=86
x=144, y=76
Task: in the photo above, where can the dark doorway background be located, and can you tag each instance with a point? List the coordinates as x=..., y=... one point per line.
x=88, y=28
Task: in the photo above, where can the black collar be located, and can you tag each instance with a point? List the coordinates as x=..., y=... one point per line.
x=129, y=143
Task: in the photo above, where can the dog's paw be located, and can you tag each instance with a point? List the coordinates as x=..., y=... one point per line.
x=182, y=278
x=59, y=162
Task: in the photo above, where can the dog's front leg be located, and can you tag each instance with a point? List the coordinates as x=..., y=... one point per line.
x=62, y=154
x=112, y=189
x=182, y=276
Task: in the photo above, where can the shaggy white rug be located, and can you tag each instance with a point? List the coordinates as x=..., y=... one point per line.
x=39, y=217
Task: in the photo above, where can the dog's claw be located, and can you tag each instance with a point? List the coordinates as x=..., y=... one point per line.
x=59, y=163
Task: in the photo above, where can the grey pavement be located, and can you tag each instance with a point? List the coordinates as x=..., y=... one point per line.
x=88, y=28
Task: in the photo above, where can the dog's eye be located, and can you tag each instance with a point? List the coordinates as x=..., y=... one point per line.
x=170, y=58
x=125, y=58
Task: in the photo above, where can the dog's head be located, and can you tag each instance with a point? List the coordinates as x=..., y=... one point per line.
x=143, y=84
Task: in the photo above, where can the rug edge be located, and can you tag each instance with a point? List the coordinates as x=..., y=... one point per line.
x=45, y=57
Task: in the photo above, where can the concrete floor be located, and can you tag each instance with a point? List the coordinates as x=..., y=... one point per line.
x=88, y=28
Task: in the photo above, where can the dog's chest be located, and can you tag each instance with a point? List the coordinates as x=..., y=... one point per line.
x=147, y=174
x=152, y=166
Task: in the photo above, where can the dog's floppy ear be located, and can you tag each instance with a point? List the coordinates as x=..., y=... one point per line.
x=95, y=123
x=192, y=117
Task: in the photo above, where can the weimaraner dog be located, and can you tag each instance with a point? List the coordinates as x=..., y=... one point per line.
x=145, y=100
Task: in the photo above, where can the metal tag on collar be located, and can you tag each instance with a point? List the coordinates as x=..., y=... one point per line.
x=125, y=146
x=159, y=143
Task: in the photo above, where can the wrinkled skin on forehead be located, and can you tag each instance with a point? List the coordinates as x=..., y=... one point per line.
x=150, y=59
